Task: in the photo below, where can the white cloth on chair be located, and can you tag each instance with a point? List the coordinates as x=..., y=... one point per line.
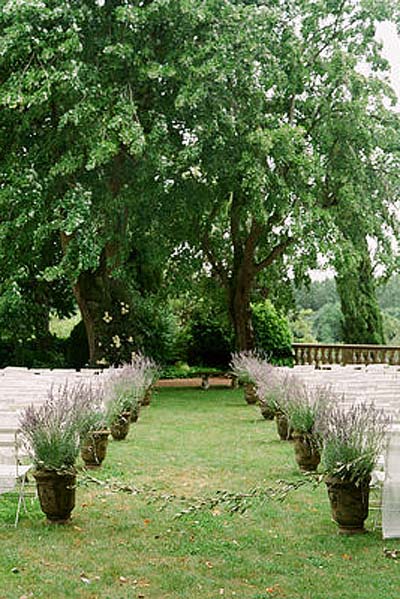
x=391, y=489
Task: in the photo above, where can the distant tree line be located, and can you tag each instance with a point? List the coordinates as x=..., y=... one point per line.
x=319, y=316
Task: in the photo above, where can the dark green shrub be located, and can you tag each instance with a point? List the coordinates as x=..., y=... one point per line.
x=209, y=340
x=6, y=353
x=272, y=333
x=154, y=329
x=32, y=354
x=77, y=347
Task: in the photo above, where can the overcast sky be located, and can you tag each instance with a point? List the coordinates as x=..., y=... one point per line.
x=391, y=50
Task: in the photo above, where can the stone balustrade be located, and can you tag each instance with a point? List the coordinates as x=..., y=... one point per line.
x=318, y=354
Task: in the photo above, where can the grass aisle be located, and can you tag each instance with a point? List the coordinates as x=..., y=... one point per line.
x=189, y=444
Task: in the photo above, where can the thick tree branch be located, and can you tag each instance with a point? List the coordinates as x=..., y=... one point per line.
x=252, y=239
x=274, y=254
x=235, y=225
x=207, y=248
x=216, y=265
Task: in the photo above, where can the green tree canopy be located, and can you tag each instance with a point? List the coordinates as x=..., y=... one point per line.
x=286, y=141
x=231, y=132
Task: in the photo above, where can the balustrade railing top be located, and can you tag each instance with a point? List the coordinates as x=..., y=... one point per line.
x=331, y=353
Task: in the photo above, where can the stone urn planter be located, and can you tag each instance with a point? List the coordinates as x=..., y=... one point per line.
x=94, y=448
x=250, y=393
x=282, y=426
x=135, y=411
x=267, y=411
x=349, y=504
x=120, y=427
x=56, y=492
x=307, y=451
x=147, y=397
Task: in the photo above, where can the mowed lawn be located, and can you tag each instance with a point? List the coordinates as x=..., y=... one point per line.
x=187, y=445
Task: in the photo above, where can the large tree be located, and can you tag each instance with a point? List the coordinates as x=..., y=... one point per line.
x=208, y=127
x=72, y=138
x=284, y=135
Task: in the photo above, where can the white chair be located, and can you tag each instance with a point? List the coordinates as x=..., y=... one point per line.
x=391, y=489
x=13, y=474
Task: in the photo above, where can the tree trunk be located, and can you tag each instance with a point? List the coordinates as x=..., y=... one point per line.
x=104, y=305
x=103, y=300
x=240, y=287
x=239, y=280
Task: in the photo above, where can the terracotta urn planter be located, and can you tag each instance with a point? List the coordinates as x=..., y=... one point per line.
x=56, y=491
x=94, y=448
x=282, y=427
x=307, y=452
x=250, y=393
x=120, y=427
x=349, y=504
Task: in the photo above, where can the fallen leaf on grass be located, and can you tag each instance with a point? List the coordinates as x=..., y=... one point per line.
x=141, y=582
x=347, y=557
x=275, y=590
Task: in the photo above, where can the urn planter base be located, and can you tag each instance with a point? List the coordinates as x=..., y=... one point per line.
x=135, y=411
x=282, y=427
x=267, y=412
x=250, y=393
x=56, y=491
x=120, y=427
x=349, y=504
x=147, y=398
x=94, y=449
x=306, y=452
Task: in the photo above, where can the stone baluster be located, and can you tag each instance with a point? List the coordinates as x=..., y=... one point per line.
x=317, y=354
